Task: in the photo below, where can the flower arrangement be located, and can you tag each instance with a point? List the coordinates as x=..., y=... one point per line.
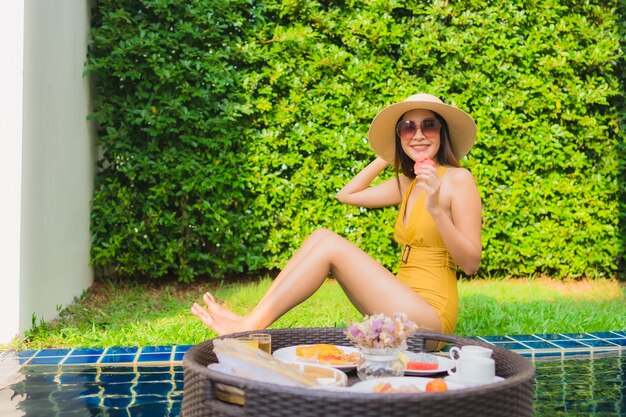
x=380, y=331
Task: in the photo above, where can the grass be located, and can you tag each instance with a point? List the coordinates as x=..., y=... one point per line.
x=113, y=313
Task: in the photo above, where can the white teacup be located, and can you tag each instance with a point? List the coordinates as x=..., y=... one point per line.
x=474, y=370
x=468, y=351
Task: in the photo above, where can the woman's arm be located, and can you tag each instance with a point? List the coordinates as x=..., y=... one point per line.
x=357, y=191
x=460, y=227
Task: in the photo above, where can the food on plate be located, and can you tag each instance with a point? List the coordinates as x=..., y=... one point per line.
x=436, y=384
x=387, y=388
x=312, y=351
x=327, y=354
x=421, y=361
x=421, y=366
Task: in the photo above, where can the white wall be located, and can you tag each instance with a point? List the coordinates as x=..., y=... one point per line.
x=58, y=158
x=11, y=45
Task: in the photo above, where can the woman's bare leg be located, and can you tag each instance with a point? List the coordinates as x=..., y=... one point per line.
x=370, y=287
x=216, y=308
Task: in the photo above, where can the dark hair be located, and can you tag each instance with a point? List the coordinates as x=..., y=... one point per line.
x=445, y=155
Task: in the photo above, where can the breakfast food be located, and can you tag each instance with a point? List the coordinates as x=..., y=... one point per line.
x=421, y=366
x=421, y=361
x=387, y=388
x=320, y=349
x=436, y=384
x=326, y=354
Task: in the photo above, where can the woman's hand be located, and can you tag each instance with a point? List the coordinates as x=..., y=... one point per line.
x=431, y=183
x=455, y=207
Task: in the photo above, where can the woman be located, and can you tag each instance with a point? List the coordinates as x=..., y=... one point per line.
x=438, y=227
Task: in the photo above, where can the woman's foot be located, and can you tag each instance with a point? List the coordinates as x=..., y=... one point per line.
x=217, y=317
x=219, y=324
x=216, y=308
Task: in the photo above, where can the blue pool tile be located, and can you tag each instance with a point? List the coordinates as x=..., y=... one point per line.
x=87, y=352
x=569, y=344
x=510, y=345
x=121, y=350
x=495, y=338
x=47, y=360
x=121, y=389
x=540, y=345
x=118, y=358
x=149, y=400
x=62, y=395
x=154, y=388
x=26, y=353
x=578, y=336
x=552, y=336
x=603, y=335
x=620, y=342
x=577, y=352
x=529, y=345
x=79, y=360
x=154, y=369
x=154, y=357
x=155, y=377
x=93, y=401
x=183, y=348
x=53, y=352
x=548, y=353
x=157, y=349
x=90, y=389
x=69, y=378
x=148, y=409
x=525, y=338
x=117, y=402
x=117, y=378
x=597, y=343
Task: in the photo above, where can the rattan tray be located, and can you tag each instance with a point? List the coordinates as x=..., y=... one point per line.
x=509, y=398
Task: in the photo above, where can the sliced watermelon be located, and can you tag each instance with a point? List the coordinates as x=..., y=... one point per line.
x=421, y=366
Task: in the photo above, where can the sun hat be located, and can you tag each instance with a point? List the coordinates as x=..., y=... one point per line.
x=382, y=132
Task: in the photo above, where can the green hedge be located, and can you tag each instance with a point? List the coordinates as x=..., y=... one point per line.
x=227, y=127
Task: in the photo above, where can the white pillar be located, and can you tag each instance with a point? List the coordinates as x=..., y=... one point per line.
x=47, y=159
x=11, y=99
x=58, y=158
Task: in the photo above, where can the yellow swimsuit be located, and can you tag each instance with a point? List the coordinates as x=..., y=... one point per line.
x=425, y=265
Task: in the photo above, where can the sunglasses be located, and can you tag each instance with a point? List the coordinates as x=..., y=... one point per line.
x=406, y=129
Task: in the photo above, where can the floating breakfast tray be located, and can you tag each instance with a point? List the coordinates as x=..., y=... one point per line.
x=511, y=397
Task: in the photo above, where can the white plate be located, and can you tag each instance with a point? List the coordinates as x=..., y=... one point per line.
x=399, y=381
x=288, y=354
x=443, y=365
x=453, y=379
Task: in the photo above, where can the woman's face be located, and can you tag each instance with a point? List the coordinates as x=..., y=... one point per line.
x=420, y=134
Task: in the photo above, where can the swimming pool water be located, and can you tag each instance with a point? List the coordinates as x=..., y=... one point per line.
x=572, y=387
x=577, y=374
x=99, y=391
x=581, y=387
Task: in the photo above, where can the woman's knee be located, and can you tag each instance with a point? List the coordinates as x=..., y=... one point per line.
x=323, y=233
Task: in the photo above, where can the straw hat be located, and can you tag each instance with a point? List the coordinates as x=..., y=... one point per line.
x=382, y=131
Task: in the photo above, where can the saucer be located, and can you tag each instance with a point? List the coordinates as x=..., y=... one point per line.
x=454, y=379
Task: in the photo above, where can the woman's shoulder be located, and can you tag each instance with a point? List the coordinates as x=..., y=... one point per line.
x=458, y=176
